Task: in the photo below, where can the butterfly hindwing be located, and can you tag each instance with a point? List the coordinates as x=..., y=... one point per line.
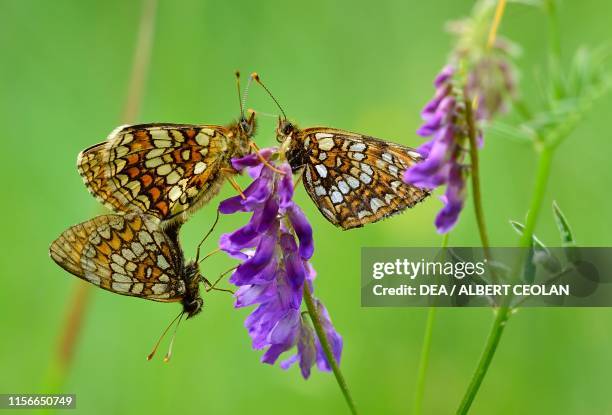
x=126, y=254
x=354, y=179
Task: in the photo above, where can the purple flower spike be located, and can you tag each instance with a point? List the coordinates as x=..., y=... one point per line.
x=274, y=247
x=445, y=123
x=488, y=83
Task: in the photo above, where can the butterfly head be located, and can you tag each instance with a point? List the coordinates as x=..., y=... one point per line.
x=193, y=307
x=284, y=130
x=243, y=130
x=247, y=125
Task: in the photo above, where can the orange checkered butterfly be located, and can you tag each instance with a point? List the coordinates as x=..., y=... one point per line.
x=131, y=255
x=166, y=170
x=353, y=179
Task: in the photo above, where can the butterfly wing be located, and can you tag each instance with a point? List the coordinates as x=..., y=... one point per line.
x=161, y=169
x=125, y=254
x=354, y=179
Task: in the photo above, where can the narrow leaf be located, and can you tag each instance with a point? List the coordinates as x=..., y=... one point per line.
x=539, y=255
x=521, y=135
x=519, y=228
x=567, y=237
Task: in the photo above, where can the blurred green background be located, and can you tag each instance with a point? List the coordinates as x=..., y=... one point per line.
x=357, y=65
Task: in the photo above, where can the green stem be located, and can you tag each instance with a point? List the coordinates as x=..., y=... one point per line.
x=424, y=363
x=554, y=46
x=425, y=349
x=475, y=177
x=553, y=30
x=544, y=162
x=504, y=311
x=316, y=321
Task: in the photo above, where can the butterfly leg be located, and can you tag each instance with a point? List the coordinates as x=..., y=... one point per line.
x=208, y=286
x=236, y=186
x=197, y=260
x=208, y=255
x=263, y=160
x=298, y=180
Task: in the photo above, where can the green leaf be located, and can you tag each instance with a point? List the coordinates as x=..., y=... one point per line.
x=519, y=228
x=567, y=236
x=587, y=71
x=539, y=255
x=520, y=134
x=572, y=94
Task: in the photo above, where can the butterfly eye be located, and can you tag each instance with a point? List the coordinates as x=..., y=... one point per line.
x=244, y=125
x=287, y=129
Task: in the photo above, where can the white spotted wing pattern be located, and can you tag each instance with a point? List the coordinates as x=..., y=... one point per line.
x=166, y=170
x=353, y=179
x=130, y=255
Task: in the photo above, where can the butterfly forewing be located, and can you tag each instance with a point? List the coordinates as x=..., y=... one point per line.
x=166, y=170
x=126, y=254
x=354, y=179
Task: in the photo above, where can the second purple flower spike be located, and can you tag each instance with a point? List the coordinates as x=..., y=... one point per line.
x=445, y=123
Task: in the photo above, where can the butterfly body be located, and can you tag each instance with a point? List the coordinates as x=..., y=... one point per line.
x=353, y=179
x=130, y=255
x=166, y=170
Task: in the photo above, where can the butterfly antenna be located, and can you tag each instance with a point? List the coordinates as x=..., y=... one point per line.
x=255, y=77
x=169, y=353
x=266, y=114
x=150, y=356
x=237, y=73
x=246, y=93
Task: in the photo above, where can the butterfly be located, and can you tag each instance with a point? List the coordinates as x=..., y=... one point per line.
x=165, y=170
x=353, y=179
x=131, y=255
